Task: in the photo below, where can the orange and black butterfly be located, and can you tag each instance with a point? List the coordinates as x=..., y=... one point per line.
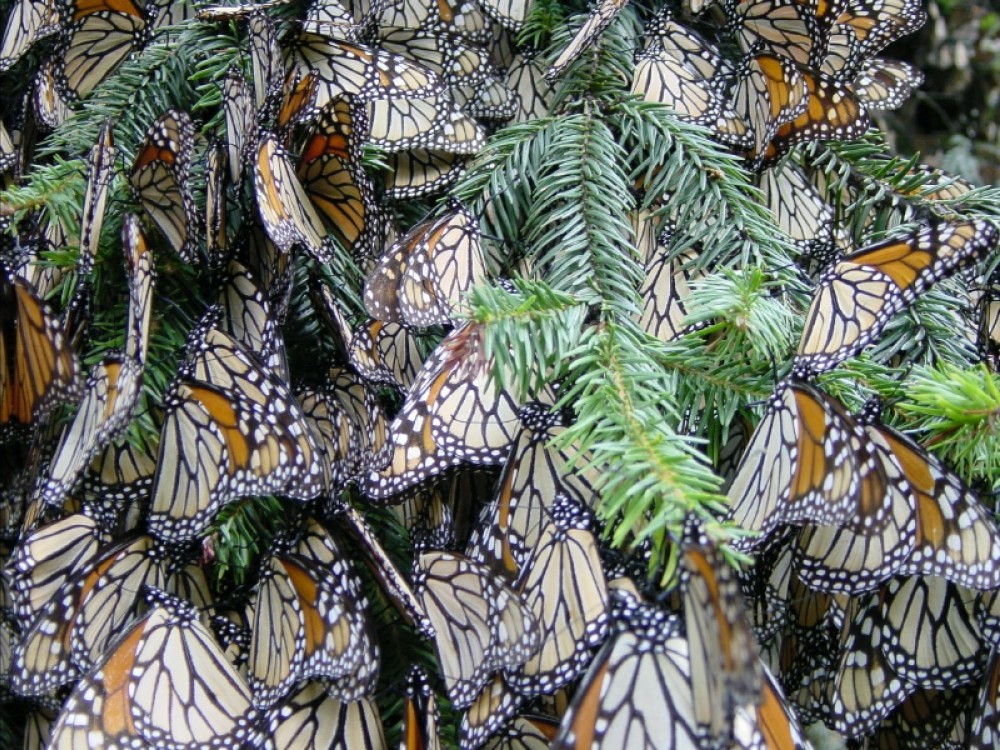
x=425, y=275
x=165, y=678
x=38, y=369
x=861, y=292
x=454, y=413
x=97, y=38
x=160, y=178
x=833, y=112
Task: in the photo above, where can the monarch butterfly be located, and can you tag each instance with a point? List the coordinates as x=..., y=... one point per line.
x=637, y=691
x=297, y=97
x=330, y=173
x=489, y=100
x=267, y=62
x=364, y=411
x=140, y=692
x=48, y=103
x=313, y=719
x=495, y=705
x=216, y=242
x=427, y=518
x=679, y=72
x=141, y=274
x=665, y=293
x=877, y=23
x=788, y=28
x=984, y=720
x=770, y=91
x=111, y=393
x=246, y=316
x=841, y=55
x=846, y=560
x=46, y=558
x=101, y=171
x=160, y=178
x=29, y=21
x=929, y=633
x=167, y=13
x=455, y=60
x=886, y=84
x=38, y=727
x=481, y=625
x=534, y=476
x=833, y=113
x=419, y=172
x=65, y=635
x=309, y=622
x=926, y=718
x=526, y=78
x=8, y=151
x=392, y=581
x=349, y=22
x=38, y=370
x=806, y=462
x=460, y=19
x=864, y=688
x=587, y=35
x=420, y=713
x=954, y=536
x=97, y=37
x=798, y=208
x=573, y=619
x=860, y=293
x=285, y=209
x=117, y=485
x=113, y=386
x=525, y=733
x=434, y=122
x=766, y=586
x=773, y=724
x=241, y=121
x=273, y=267
x=453, y=413
x=358, y=342
x=229, y=429
x=989, y=325
x=335, y=432
x=424, y=276
x=510, y=14
x=358, y=70
x=240, y=11
x=725, y=669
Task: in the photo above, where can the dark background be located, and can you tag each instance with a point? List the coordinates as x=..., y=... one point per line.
x=953, y=120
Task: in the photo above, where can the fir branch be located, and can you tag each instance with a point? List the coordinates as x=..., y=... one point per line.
x=602, y=74
x=527, y=333
x=702, y=189
x=620, y=396
x=959, y=410
x=244, y=530
x=497, y=184
x=759, y=325
x=925, y=332
x=578, y=218
x=55, y=191
x=883, y=180
x=543, y=18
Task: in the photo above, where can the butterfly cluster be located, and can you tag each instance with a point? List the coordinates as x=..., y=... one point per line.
x=268, y=482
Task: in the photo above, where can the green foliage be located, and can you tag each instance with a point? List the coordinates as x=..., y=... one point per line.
x=957, y=409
